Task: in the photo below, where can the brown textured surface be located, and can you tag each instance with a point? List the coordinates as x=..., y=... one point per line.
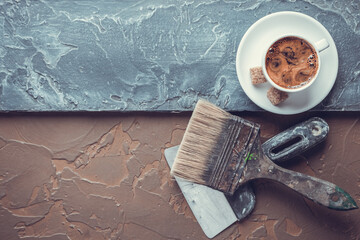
x=104, y=176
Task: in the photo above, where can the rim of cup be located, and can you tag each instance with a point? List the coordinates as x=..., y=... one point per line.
x=297, y=89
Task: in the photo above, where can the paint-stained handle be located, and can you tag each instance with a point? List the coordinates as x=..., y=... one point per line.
x=296, y=140
x=281, y=148
x=318, y=190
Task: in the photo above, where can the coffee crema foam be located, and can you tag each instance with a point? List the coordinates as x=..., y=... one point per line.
x=291, y=62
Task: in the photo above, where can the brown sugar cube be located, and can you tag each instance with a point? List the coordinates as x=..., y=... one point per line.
x=257, y=75
x=276, y=96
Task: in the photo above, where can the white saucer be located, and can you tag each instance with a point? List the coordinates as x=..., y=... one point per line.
x=251, y=50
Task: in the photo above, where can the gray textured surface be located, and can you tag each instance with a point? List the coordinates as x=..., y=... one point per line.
x=149, y=55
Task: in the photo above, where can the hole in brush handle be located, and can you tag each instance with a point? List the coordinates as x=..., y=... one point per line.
x=290, y=144
x=296, y=140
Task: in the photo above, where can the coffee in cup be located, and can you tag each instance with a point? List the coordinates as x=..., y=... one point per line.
x=292, y=63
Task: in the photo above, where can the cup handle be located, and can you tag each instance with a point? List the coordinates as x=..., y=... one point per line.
x=322, y=45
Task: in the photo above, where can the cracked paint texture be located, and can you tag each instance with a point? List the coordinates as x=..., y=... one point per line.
x=105, y=177
x=149, y=55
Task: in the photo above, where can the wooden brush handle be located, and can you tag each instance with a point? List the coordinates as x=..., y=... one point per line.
x=320, y=191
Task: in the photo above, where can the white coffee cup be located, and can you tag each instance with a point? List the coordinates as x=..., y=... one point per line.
x=318, y=46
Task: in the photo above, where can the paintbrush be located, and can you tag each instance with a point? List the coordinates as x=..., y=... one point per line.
x=223, y=151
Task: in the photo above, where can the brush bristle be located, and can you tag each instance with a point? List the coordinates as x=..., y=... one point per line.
x=200, y=142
